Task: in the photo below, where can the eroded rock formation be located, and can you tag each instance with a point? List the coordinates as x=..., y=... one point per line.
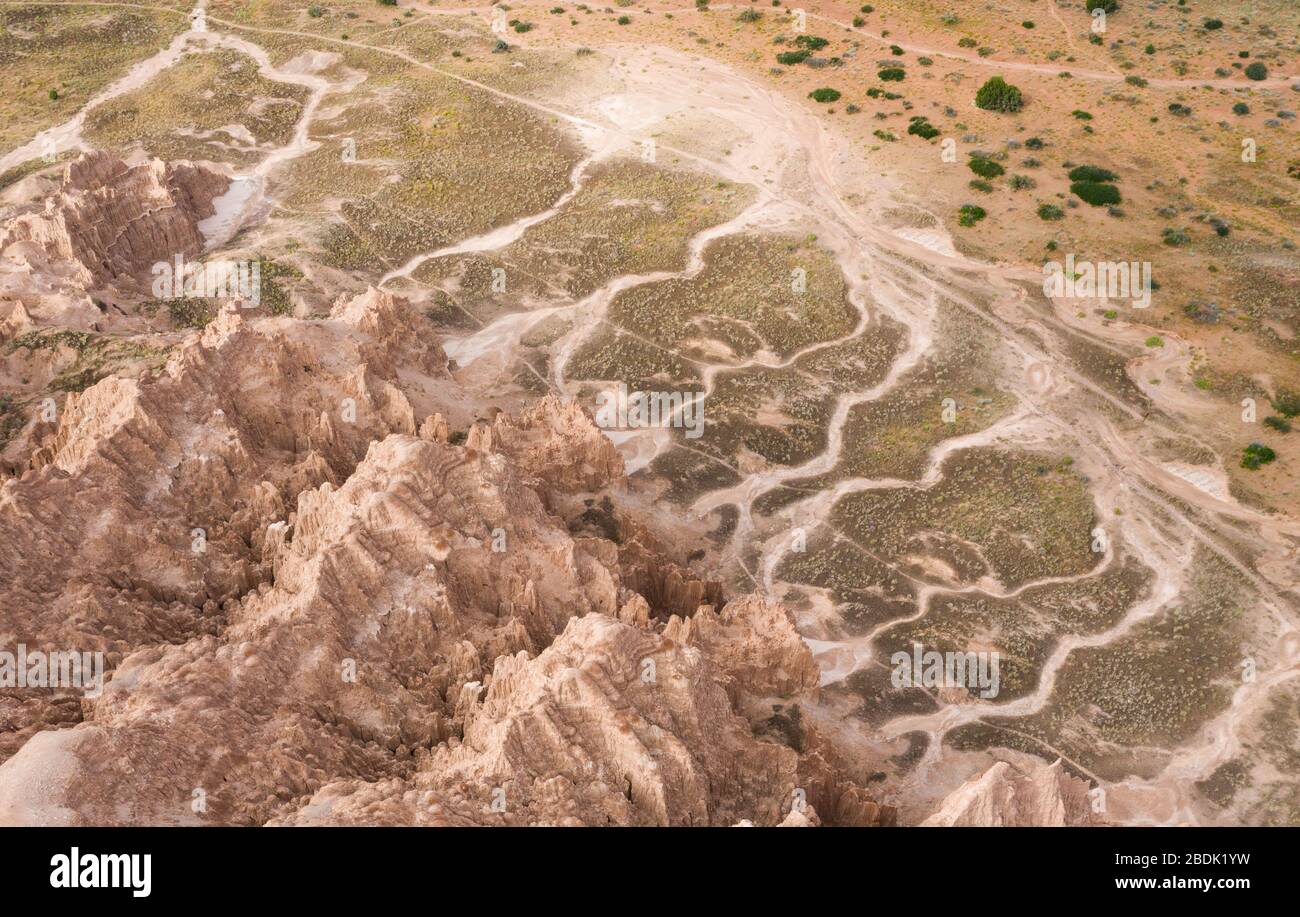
x=1045, y=795
x=109, y=222
x=317, y=609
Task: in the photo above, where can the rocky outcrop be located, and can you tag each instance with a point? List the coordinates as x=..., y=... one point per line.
x=1043, y=795
x=148, y=510
x=316, y=610
x=554, y=443
x=401, y=669
x=110, y=222
x=611, y=725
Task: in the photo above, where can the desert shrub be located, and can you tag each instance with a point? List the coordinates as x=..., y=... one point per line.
x=315, y=12
x=1109, y=6
x=985, y=168
x=970, y=214
x=824, y=94
x=1092, y=173
x=1241, y=108
x=1081, y=114
x=977, y=184
x=1287, y=402
x=1021, y=183
x=922, y=128
x=749, y=16
x=966, y=42
x=790, y=58
x=1177, y=108
x=892, y=74
x=1255, y=455
x=1279, y=424
x=1096, y=193
x=999, y=95
x=1257, y=71
x=1155, y=341
x=1135, y=81
x=1174, y=237
x=812, y=42
x=1034, y=143
x=1211, y=25
x=1050, y=212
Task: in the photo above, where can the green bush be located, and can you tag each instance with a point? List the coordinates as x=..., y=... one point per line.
x=812, y=42
x=1050, y=212
x=892, y=74
x=1241, y=108
x=1096, y=193
x=1257, y=71
x=999, y=95
x=1287, y=402
x=315, y=12
x=1277, y=423
x=922, y=128
x=970, y=214
x=1256, y=454
x=790, y=58
x=824, y=94
x=1212, y=24
x=1109, y=6
x=1092, y=173
x=985, y=168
